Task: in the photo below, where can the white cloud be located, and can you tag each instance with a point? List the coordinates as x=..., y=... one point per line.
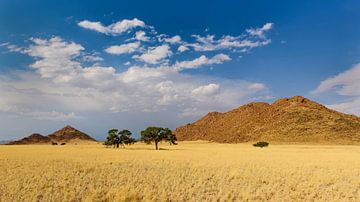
x=96, y=26
x=209, y=89
x=54, y=57
x=112, y=29
x=75, y=89
x=155, y=54
x=202, y=60
x=209, y=43
x=260, y=32
x=92, y=58
x=12, y=47
x=182, y=48
x=173, y=40
x=141, y=36
x=350, y=107
x=124, y=48
x=345, y=85
x=254, y=38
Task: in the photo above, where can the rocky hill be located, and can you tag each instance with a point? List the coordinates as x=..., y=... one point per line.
x=65, y=135
x=35, y=138
x=68, y=134
x=295, y=119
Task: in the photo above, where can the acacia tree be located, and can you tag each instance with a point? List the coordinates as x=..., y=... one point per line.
x=116, y=137
x=111, y=139
x=125, y=137
x=156, y=135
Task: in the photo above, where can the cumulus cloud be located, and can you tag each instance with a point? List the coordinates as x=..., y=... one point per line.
x=141, y=36
x=173, y=40
x=200, y=61
x=155, y=55
x=75, y=89
x=54, y=57
x=112, y=29
x=182, y=48
x=122, y=49
x=209, y=89
x=96, y=26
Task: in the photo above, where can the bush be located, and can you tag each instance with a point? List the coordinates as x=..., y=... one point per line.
x=261, y=144
x=63, y=143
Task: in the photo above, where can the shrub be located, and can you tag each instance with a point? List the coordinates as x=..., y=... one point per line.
x=261, y=144
x=63, y=143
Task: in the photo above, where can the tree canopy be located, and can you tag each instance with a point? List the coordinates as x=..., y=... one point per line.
x=157, y=134
x=117, y=138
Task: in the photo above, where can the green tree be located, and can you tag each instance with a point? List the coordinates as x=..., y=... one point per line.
x=117, y=138
x=156, y=135
x=125, y=137
x=111, y=138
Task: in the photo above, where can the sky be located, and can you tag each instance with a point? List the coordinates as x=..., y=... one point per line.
x=98, y=65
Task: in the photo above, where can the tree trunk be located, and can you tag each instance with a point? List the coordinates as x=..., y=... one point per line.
x=117, y=145
x=156, y=145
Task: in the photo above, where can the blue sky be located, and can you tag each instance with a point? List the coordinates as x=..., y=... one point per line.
x=98, y=65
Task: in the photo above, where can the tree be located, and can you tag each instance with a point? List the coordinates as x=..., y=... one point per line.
x=112, y=137
x=125, y=137
x=156, y=135
x=116, y=137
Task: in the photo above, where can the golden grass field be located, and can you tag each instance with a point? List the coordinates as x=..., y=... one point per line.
x=190, y=171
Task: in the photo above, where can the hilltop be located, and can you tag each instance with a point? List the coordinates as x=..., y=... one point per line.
x=68, y=134
x=65, y=135
x=295, y=119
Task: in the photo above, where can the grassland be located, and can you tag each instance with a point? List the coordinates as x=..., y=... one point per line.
x=190, y=171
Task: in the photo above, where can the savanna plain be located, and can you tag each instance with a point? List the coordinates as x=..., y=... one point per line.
x=189, y=171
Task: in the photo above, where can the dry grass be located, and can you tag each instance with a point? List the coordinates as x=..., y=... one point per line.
x=191, y=171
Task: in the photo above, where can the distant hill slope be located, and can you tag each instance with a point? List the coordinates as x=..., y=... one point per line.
x=295, y=119
x=32, y=139
x=67, y=134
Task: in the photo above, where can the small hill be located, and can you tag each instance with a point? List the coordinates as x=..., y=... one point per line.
x=295, y=119
x=35, y=138
x=70, y=134
x=65, y=135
